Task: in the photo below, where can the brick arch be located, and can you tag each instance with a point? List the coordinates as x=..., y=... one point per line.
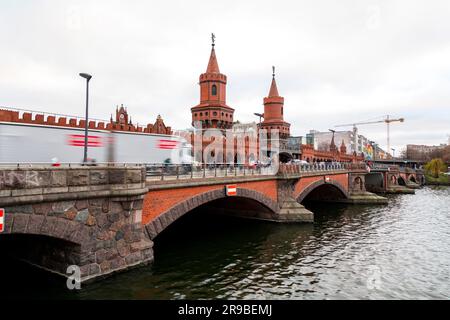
x=412, y=177
x=161, y=222
x=319, y=183
x=393, y=179
x=54, y=227
x=401, y=181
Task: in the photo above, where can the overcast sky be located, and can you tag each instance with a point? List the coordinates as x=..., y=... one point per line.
x=337, y=62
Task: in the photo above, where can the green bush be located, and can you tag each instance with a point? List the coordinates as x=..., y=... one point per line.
x=435, y=167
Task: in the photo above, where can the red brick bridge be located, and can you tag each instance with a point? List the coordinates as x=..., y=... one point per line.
x=261, y=195
x=103, y=219
x=393, y=179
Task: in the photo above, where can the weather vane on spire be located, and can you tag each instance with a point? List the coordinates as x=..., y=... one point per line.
x=213, y=38
x=273, y=72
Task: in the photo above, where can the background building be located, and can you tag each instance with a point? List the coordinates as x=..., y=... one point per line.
x=422, y=152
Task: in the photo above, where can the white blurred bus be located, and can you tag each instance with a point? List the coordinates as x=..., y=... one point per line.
x=33, y=143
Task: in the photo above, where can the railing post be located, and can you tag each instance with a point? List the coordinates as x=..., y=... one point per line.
x=215, y=170
x=178, y=172
x=162, y=173
x=235, y=170
x=192, y=171
x=204, y=170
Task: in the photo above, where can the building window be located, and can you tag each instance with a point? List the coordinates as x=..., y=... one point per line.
x=201, y=114
x=206, y=113
x=195, y=115
x=214, y=90
x=282, y=110
x=214, y=113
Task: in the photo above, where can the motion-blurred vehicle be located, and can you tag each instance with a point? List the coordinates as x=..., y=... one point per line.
x=32, y=143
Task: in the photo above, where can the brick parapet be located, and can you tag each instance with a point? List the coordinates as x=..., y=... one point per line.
x=63, y=121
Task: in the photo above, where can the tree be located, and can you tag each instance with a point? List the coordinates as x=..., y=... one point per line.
x=435, y=167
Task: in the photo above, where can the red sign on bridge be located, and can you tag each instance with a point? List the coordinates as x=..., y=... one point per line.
x=2, y=220
x=231, y=190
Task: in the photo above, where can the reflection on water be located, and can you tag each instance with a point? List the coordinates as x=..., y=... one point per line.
x=350, y=252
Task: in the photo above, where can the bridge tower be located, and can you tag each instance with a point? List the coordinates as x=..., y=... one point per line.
x=273, y=111
x=212, y=111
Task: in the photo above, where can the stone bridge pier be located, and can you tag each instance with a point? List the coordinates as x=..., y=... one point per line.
x=84, y=216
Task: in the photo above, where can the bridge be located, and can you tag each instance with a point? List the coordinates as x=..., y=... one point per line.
x=394, y=179
x=105, y=218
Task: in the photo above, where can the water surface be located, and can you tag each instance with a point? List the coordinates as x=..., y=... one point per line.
x=395, y=251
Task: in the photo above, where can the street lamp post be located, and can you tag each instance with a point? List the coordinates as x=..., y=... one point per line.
x=87, y=77
x=260, y=115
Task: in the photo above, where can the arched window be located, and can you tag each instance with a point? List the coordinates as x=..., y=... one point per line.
x=214, y=90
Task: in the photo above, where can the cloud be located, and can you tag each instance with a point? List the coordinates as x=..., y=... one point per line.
x=337, y=62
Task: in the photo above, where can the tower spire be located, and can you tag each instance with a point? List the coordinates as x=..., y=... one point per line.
x=213, y=66
x=273, y=92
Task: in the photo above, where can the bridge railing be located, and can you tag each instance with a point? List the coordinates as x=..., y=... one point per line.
x=178, y=172
x=158, y=172
x=312, y=167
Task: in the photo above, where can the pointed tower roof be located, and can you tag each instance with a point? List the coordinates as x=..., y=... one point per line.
x=273, y=92
x=273, y=89
x=213, y=66
x=343, y=148
x=332, y=144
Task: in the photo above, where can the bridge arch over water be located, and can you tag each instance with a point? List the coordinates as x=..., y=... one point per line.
x=401, y=181
x=324, y=191
x=374, y=182
x=247, y=203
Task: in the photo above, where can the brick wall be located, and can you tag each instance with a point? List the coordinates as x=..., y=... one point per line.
x=51, y=120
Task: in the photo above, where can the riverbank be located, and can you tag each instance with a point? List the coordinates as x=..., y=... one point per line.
x=442, y=180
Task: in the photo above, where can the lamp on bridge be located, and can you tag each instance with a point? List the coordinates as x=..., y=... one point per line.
x=87, y=77
x=260, y=115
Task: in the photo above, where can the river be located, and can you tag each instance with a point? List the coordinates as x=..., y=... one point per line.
x=395, y=251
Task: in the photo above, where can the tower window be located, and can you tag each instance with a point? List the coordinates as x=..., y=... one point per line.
x=214, y=90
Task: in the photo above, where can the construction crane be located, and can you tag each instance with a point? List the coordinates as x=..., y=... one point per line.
x=387, y=120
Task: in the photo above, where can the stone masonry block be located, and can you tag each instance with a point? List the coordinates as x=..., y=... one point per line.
x=77, y=177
